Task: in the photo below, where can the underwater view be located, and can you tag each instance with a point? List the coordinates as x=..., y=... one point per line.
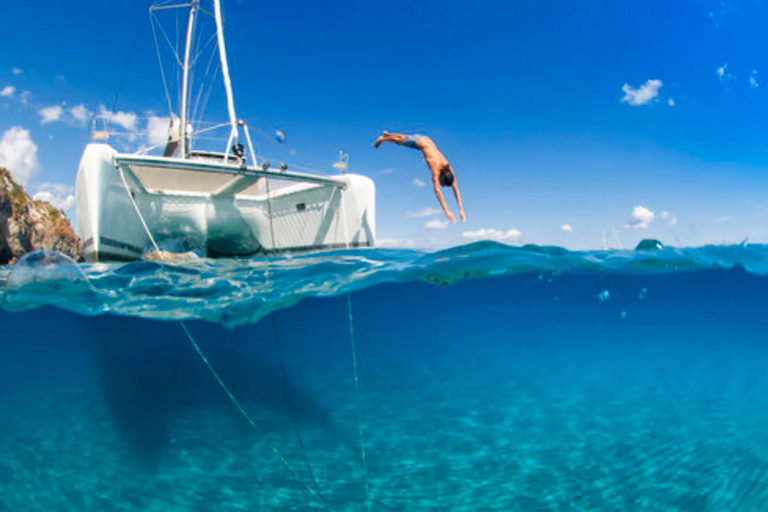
x=350, y=256
x=482, y=377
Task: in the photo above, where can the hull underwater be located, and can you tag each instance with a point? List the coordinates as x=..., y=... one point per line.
x=214, y=209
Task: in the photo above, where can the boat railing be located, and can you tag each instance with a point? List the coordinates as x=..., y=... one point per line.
x=145, y=134
x=148, y=136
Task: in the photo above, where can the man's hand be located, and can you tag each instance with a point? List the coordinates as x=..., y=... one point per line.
x=450, y=217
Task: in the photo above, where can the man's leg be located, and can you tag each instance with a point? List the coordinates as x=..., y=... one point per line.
x=395, y=138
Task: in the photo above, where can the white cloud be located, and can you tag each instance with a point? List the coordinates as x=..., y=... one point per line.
x=671, y=102
x=24, y=97
x=388, y=170
x=17, y=71
x=392, y=242
x=18, y=153
x=644, y=95
x=566, y=227
x=493, y=234
x=50, y=114
x=56, y=188
x=715, y=17
x=671, y=219
x=157, y=130
x=641, y=218
x=426, y=212
x=436, y=224
x=7, y=91
x=80, y=114
x=753, y=80
x=127, y=120
x=62, y=202
x=723, y=75
x=419, y=183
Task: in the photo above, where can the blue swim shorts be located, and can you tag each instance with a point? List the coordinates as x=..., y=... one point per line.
x=411, y=141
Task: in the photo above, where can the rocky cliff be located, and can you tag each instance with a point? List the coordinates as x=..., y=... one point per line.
x=29, y=225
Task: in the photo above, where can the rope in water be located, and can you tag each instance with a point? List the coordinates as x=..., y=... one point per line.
x=353, y=343
x=289, y=399
x=312, y=492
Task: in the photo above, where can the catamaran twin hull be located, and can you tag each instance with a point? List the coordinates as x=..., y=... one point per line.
x=220, y=209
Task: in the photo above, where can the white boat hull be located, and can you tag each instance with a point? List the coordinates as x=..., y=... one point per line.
x=212, y=212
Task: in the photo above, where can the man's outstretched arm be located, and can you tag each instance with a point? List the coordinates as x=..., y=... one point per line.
x=458, y=200
x=440, y=198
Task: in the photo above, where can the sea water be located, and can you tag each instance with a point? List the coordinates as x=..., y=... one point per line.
x=489, y=378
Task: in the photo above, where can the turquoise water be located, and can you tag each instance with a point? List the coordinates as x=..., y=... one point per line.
x=490, y=378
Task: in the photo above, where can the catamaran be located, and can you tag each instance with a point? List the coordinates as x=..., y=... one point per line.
x=220, y=203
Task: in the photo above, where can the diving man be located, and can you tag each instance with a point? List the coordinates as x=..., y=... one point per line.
x=442, y=172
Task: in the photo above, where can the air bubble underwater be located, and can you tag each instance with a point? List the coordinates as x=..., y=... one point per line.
x=51, y=278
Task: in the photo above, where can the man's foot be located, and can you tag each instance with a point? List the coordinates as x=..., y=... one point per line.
x=380, y=139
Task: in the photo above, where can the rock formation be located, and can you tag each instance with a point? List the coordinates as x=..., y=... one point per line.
x=28, y=225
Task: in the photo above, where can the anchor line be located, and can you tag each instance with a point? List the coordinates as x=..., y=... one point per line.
x=262, y=435
x=353, y=347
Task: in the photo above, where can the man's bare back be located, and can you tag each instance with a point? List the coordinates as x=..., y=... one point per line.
x=442, y=172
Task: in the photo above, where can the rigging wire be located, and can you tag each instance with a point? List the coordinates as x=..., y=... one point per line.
x=154, y=20
x=127, y=65
x=200, y=105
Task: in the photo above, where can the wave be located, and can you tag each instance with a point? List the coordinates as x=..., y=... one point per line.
x=240, y=291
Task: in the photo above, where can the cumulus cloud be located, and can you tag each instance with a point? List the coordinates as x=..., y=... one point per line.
x=393, y=242
x=50, y=114
x=436, y=224
x=753, y=80
x=643, y=95
x=9, y=91
x=126, y=120
x=18, y=153
x=419, y=183
x=426, y=212
x=17, y=71
x=493, y=234
x=716, y=16
x=79, y=114
x=723, y=75
x=58, y=195
x=668, y=217
x=641, y=217
x=157, y=130
x=671, y=102
x=566, y=227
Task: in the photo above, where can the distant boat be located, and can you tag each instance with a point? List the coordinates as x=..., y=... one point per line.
x=226, y=203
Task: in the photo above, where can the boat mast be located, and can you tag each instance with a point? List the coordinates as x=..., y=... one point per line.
x=185, y=79
x=233, y=135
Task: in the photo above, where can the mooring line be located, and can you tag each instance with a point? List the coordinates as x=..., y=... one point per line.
x=312, y=492
x=291, y=406
x=353, y=343
x=357, y=399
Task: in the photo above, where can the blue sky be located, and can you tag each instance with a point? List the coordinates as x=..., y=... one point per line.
x=579, y=124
